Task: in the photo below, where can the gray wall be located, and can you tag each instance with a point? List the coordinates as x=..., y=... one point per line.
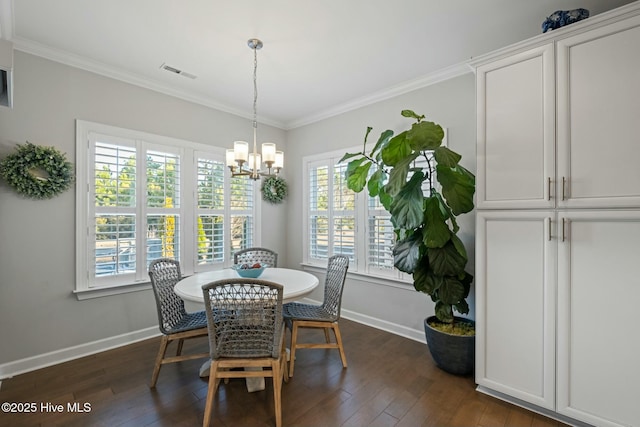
x=38, y=311
x=37, y=238
x=452, y=105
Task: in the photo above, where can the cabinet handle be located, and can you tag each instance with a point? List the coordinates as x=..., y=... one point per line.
x=549, y=227
x=549, y=188
x=564, y=181
x=564, y=221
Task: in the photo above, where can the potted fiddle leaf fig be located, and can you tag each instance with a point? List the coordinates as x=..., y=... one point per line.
x=422, y=185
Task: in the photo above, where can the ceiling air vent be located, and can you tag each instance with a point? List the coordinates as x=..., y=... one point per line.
x=177, y=71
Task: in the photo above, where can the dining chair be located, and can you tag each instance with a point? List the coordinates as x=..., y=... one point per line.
x=246, y=330
x=325, y=316
x=173, y=320
x=253, y=255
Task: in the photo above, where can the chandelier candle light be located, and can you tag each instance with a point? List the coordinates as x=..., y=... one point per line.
x=248, y=164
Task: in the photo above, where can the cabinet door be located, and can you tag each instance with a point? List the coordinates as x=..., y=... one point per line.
x=516, y=131
x=515, y=304
x=598, y=338
x=599, y=117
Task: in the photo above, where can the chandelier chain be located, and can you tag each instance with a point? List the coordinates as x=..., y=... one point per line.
x=255, y=87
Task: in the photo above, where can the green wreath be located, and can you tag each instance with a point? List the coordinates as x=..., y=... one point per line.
x=36, y=171
x=274, y=189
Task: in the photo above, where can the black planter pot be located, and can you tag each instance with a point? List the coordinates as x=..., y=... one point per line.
x=452, y=353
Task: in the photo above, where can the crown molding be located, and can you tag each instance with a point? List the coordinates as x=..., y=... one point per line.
x=115, y=73
x=391, y=92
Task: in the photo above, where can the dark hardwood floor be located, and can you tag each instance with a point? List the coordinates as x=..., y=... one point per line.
x=390, y=381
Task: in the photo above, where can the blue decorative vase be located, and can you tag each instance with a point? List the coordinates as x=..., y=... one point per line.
x=560, y=18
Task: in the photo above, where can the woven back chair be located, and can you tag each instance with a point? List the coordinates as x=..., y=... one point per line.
x=256, y=255
x=324, y=316
x=246, y=330
x=173, y=320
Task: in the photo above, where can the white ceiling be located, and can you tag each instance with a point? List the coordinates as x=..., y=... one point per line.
x=319, y=57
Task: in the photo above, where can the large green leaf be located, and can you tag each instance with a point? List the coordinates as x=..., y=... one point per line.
x=451, y=291
x=357, y=174
x=444, y=313
x=436, y=231
x=348, y=156
x=446, y=157
x=376, y=182
x=406, y=253
x=446, y=261
x=457, y=188
x=407, y=205
x=385, y=199
x=457, y=243
x=449, y=215
x=425, y=136
x=397, y=150
x=382, y=142
x=398, y=175
x=411, y=114
x=462, y=307
x=424, y=280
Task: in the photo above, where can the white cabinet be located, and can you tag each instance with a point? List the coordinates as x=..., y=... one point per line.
x=516, y=130
x=598, y=339
x=574, y=143
x=599, y=117
x=515, y=300
x=558, y=222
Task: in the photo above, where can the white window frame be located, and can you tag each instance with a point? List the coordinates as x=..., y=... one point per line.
x=86, y=284
x=360, y=265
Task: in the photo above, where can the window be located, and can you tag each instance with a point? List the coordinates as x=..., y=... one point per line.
x=338, y=221
x=331, y=213
x=141, y=197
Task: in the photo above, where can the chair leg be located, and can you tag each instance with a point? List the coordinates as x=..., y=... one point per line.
x=277, y=390
x=326, y=335
x=180, y=344
x=336, y=331
x=283, y=366
x=211, y=392
x=164, y=342
x=294, y=339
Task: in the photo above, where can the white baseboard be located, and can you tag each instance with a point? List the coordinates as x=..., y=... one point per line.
x=10, y=369
x=394, y=328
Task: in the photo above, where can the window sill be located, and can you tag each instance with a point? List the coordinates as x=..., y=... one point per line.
x=364, y=277
x=104, y=291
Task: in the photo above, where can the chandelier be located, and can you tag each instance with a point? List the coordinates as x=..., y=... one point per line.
x=240, y=161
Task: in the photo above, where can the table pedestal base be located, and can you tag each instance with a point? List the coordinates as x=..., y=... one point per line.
x=253, y=384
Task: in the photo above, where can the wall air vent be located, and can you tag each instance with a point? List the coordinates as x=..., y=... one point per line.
x=177, y=71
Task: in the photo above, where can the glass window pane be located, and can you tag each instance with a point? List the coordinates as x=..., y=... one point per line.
x=163, y=180
x=163, y=237
x=343, y=198
x=210, y=239
x=241, y=232
x=114, y=175
x=344, y=236
x=115, y=244
x=319, y=188
x=380, y=242
x=319, y=237
x=242, y=194
x=210, y=184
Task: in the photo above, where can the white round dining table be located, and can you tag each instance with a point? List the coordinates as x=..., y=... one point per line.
x=296, y=284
